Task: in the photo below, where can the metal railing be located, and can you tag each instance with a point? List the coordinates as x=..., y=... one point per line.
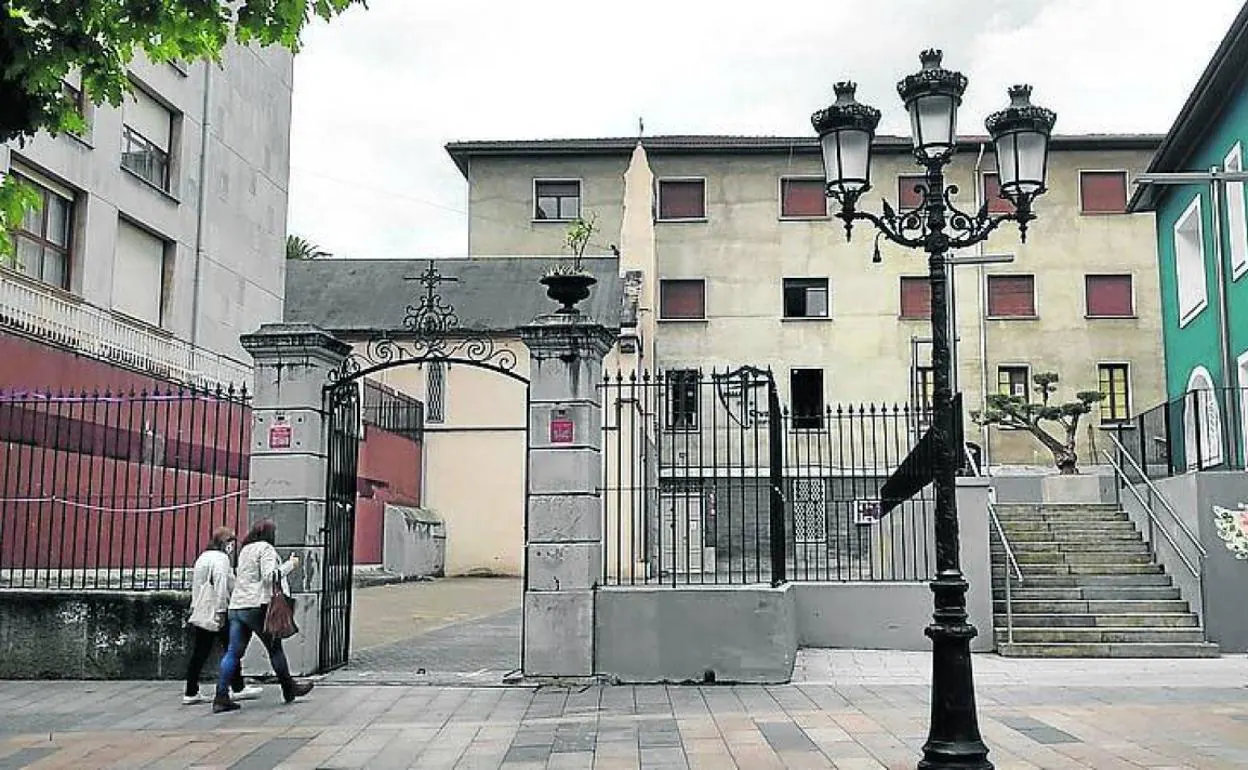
x=63, y=320
x=1011, y=561
x=1155, y=524
x=118, y=491
x=1204, y=429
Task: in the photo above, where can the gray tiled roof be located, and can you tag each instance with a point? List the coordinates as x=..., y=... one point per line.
x=492, y=294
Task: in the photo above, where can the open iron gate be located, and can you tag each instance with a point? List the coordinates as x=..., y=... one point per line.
x=339, y=528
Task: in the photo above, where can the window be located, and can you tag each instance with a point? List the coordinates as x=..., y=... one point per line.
x=1014, y=381
x=145, y=139
x=923, y=396
x=1011, y=296
x=681, y=390
x=43, y=239
x=907, y=197
x=682, y=199
x=1103, y=192
x=1189, y=262
x=805, y=297
x=806, y=392
x=556, y=199
x=71, y=90
x=683, y=299
x=802, y=198
x=139, y=273
x=992, y=194
x=435, y=392
x=1115, y=394
x=916, y=297
x=1109, y=296
x=1236, y=215
x=1202, y=421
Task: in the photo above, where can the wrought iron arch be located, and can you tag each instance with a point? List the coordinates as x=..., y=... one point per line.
x=432, y=335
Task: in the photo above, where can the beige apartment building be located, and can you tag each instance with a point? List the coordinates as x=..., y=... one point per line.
x=740, y=263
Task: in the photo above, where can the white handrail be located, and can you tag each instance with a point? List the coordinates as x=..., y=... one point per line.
x=1011, y=560
x=1153, y=488
x=72, y=323
x=1152, y=517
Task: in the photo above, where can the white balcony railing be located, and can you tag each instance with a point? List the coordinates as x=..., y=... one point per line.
x=58, y=319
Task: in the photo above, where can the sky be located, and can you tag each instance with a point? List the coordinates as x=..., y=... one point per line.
x=379, y=92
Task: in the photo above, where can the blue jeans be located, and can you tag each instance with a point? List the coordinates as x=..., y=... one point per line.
x=244, y=623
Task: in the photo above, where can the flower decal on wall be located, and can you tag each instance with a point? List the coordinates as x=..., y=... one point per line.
x=1233, y=528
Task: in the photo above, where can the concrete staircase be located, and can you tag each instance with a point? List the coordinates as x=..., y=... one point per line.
x=1090, y=588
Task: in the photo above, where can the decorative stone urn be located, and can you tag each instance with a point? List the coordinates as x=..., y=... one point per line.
x=568, y=288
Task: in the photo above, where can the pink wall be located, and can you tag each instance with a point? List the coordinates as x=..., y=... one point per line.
x=390, y=472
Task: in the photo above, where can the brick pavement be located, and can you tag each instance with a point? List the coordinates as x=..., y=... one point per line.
x=851, y=710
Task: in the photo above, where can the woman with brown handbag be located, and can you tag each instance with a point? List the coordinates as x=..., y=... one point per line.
x=260, y=576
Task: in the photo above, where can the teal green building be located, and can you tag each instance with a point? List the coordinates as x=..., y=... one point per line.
x=1202, y=248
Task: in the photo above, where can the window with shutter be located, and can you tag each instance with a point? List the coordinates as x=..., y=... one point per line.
x=805, y=297
x=802, y=198
x=909, y=198
x=1011, y=296
x=1115, y=404
x=1236, y=214
x=916, y=297
x=992, y=194
x=1109, y=296
x=1189, y=262
x=1103, y=192
x=682, y=199
x=139, y=270
x=43, y=239
x=682, y=299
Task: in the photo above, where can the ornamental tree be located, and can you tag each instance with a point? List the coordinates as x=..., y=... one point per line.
x=43, y=41
x=1023, y=414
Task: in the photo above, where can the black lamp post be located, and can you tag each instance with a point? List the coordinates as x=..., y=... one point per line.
x=1020, y=134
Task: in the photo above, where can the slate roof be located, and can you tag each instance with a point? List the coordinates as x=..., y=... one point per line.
x=1220, y=86
x=492, y=294
x=693, y=144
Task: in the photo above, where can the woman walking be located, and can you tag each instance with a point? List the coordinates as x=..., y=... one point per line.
x=259, y=571
x=211, y=582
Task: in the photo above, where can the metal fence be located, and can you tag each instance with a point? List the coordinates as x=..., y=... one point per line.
x=118, y=490
x=393, y=411
x=707, y=480
x=1201, y=430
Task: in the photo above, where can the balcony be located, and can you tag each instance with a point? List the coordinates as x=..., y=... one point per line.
x=60, y=319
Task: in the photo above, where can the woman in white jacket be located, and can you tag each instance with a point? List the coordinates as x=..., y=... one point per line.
x=211, y=582
x=258, y=567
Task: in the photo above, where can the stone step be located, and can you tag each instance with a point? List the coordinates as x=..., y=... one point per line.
x=1114, y=635
x=1022, y=527
x=1051, y=593
x=1085, y=620
x=1005, y=508
x=1037, y=580
x=1095, y=606
x=1116, y=517
x=1075, y=546
x=1109, y=650
x=1082, y=569
x=1065, y=537
x=1080, y=557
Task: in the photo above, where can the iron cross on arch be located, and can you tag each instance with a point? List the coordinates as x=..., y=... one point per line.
x=432, y=317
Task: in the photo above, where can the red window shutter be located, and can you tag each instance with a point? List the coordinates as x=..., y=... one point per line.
x=916, y=297
x=992, y=194
x=803, y=198
x=1103, y=192
x=682, y=299
x=907, y=198
x=1109, y=295
x=682, y=199
x=1011, y=295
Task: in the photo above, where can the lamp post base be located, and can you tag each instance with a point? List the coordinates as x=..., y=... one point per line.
x=954, y=742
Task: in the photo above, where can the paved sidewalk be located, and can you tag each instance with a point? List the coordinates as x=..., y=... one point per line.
x=860, y=710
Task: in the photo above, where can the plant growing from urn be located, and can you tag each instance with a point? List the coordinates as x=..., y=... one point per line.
x=1020, y=413
x=568, y=283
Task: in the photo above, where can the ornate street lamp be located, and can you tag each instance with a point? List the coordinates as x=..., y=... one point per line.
x=1020, y=135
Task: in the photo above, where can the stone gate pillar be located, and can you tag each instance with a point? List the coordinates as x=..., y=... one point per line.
x=563, y=534
x=288, y=467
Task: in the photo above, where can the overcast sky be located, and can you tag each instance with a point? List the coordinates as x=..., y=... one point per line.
x=378, y=92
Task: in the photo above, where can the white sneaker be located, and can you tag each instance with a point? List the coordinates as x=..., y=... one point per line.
x=191, y=700
x=250, y=692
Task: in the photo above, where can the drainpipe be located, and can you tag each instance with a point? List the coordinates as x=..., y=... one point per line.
x=201, y=199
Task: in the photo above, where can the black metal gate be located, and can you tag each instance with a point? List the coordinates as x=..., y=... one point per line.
x=343, y=412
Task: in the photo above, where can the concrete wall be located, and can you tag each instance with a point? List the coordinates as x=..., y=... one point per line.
x=1219, y=596
x=1093, y=485
x=865, y=616
x=664, y=634
x=240, y=282
x=743, y=250
x=415, y=542
x=96, y=635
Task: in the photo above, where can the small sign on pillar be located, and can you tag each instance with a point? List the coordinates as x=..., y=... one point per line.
x=279, y=436
x=562, y=429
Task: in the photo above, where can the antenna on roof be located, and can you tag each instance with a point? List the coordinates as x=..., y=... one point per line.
x=641, y=127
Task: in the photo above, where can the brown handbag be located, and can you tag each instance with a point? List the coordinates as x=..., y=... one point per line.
x=279, y=619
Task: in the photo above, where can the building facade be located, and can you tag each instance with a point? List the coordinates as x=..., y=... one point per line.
x=742, y=264
x=160, y=236
x=1202, y=249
